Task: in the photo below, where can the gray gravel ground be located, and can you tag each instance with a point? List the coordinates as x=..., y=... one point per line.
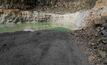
x=40, y=48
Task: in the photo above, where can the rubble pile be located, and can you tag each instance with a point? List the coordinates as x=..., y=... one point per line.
x=98, y=44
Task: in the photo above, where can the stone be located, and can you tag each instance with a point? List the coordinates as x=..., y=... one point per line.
x=102, y=53
x=105, y=25
x=105, y=61
x=104, y=41
x=104, y=33
x=31, y=30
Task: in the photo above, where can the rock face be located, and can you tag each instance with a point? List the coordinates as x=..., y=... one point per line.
x=29, y=4
x=75, y=20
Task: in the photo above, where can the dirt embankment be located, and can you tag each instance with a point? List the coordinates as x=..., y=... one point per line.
x=93, y=41
x=98, y=44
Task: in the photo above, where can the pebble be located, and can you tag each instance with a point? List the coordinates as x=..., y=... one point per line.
x=31, y=30
x=102, y=53
x=105, y=25
x=104, y=33
x=105, y=61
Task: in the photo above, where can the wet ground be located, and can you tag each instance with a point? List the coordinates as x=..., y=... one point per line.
x=41, y=48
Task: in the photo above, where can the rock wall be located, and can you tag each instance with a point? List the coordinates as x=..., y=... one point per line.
x=57, y=5
x=18, y=16
x=77, y=20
